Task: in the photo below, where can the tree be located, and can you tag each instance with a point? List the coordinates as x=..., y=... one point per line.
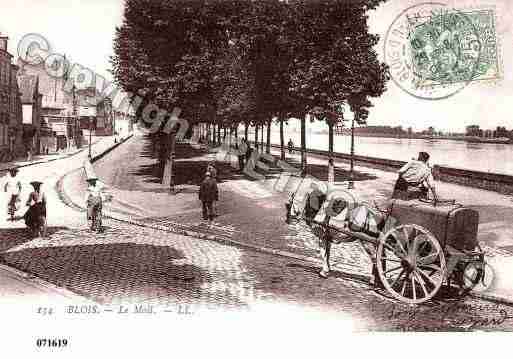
x=334, y=59
x=225, y=62
x=174, y=52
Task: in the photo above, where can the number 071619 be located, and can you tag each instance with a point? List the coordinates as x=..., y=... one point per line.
x=51, y=343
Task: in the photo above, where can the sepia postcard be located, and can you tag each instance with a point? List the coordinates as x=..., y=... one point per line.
x=256, y=178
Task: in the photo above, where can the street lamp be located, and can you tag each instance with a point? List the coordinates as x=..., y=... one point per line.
x=90, y=130
x=172, y=159
x=351, y=168
x=356, y=101
x=74, y=122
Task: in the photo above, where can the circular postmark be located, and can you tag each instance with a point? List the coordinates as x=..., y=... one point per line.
x=432, y=51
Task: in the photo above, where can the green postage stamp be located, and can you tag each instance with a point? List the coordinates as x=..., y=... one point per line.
x=434, y=51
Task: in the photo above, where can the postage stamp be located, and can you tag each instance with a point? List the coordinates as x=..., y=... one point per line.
x=434, y=51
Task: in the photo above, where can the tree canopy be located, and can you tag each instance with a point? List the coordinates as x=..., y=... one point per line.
x=232, y=61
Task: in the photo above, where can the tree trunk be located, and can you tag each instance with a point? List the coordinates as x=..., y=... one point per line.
x=262, y=139
x=218, y=134
x=330, y=138
x=351, y=168
x=256, y=137
x=303, y=144
x=268, y=144
x=282, y=140
x=168, y=178
x=246, y=131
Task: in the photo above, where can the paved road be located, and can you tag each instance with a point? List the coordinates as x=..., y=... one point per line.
x=252, y=211
x=131, y=264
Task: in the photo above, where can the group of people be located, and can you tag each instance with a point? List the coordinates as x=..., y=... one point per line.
x=35, y=216
x=244, y=152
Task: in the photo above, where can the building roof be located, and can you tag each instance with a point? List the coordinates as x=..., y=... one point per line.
x=28, y=85
x=49, y=87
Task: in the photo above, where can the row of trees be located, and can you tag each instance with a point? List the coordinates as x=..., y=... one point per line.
x=232, y=62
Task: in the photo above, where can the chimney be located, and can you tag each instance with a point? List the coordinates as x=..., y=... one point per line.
x=3, y=42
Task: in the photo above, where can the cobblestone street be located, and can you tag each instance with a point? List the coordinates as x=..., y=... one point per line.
x=134, y=264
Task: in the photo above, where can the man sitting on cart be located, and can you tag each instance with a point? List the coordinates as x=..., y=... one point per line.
x=415, y=179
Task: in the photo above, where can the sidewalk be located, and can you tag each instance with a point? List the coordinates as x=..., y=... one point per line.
x=14, y=283
x=20, y=288
x=38, y=159
x=252, y=213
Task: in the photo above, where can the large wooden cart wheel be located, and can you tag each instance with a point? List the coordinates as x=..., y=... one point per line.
x=411, y=263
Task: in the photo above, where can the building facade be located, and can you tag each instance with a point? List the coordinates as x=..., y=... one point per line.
x=16, y=146
x=76, y=114
x=11, y=125
x=31, y=101
x=5, y=95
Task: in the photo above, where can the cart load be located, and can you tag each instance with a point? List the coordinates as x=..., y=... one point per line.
x=419, y=245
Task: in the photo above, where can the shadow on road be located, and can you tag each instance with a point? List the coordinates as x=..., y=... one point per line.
x=120, y=273
x=12, y=237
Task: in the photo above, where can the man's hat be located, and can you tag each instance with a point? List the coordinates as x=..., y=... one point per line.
x=14, y=169
x=423, y=156
x=36, y=183
x=207, y=174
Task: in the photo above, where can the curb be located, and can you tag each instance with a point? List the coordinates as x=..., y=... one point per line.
x=492, y=298
x=367, y=279
x=38, y=282
x=110, y=149
x=194, y=234
x=46, y=161
x=97, y=157
x=35, y=280
x=198, y=235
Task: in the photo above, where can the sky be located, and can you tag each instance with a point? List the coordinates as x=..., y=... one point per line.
x=84, y=30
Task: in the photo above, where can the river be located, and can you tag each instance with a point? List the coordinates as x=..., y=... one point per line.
x=495, y=158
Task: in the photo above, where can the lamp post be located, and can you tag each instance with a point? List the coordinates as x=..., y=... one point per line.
x=90, y=130
x=172, y=159
x=74, y=121
x=351, y=168
x=356, y=100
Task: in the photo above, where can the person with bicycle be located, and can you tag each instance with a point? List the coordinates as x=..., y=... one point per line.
x=12, y=187
x=94, y=201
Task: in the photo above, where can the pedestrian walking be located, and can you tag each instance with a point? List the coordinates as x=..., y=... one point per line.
x=249, y=152
x=94, y=199
x=241, y=153
x=212, y=169
x=12, y=187
x=35, y=217
x=208, y=194
x=290, y=145
x=331, y=171
x=213, y=173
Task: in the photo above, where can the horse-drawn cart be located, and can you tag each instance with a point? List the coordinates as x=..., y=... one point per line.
x=416, y=246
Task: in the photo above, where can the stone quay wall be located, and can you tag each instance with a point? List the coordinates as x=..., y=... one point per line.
x=496, y=182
